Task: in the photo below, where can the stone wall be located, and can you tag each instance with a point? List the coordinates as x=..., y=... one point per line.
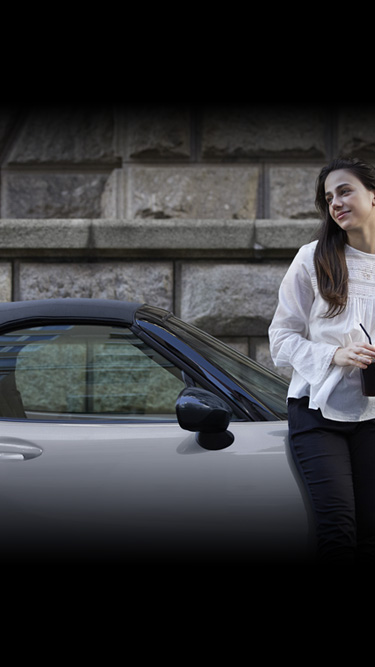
x=198, y=210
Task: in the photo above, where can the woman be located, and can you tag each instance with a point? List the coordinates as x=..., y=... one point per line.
x=326, y=297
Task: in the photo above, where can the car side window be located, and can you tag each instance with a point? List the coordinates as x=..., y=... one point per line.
x=85, y=372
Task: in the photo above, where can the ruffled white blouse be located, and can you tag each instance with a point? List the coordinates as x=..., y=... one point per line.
x=300, y=336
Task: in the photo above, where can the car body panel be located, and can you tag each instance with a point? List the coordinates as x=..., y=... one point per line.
x=139, y=486
x=129, y=489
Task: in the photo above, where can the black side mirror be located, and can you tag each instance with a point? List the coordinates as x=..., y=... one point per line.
x=205, y=414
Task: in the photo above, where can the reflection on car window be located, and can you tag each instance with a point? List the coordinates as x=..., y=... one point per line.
x=265, y=386
x=84, y=371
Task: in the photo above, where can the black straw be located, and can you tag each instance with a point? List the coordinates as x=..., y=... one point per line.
x=363, y=328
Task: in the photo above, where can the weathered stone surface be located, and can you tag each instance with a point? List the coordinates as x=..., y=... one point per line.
x=45, y=234
x=51, y=195
x=173, y=234
x=158, y=132
x=65, y=135
x=5, y=281
x=292, y=191
x=114, y=195
x=260, y=131
x=190, y=235
x=284, y=233
x=8, y=120
x=139, y=234
x=356, y=131
x=230, y=299
x=202, y=192
x=127, y=281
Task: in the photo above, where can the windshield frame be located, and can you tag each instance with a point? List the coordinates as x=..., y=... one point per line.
x=270, y=398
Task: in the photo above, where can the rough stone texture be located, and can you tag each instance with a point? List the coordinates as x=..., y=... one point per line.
x=170, y=235
x=65, y=135
x=292, y=191
x=8, y=121
x=51, y=195
x=5, y=281
x=173, y=234
x=221, y=192
x=284, y=234
x=163, y=132
x=255, y=131
x=171, y=162
x=44, y=234
x=356, y=131
x=114, y=195
x=230, y=299
x=128, y=281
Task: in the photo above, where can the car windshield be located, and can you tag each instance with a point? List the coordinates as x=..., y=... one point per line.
x=264, y=385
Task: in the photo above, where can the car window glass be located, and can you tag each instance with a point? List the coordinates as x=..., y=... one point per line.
x=264, y=385
x=84, y=372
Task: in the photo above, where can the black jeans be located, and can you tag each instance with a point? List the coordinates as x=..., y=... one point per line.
x=336, y=461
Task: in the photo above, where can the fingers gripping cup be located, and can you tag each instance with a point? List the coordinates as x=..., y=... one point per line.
x=368, y=374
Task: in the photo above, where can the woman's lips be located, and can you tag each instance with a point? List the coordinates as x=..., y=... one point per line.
x=341, y=214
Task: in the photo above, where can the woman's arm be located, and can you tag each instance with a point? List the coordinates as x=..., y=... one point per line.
x=289, y=330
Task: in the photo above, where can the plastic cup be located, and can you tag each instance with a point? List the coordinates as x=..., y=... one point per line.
x=368, y=380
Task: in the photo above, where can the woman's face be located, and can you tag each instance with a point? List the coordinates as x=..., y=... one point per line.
x=351, y=205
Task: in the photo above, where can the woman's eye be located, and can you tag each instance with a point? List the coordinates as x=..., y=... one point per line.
x=329, y=199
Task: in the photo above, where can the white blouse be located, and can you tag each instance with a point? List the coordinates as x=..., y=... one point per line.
x=300, y=336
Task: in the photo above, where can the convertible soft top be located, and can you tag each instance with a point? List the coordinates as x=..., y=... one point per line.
x=80, y=310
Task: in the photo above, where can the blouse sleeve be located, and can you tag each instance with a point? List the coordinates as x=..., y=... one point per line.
x=289, y=330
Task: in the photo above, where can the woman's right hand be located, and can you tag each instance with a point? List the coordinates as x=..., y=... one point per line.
x=355, y=354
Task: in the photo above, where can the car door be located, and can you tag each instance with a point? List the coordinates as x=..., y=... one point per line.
x=94, y=463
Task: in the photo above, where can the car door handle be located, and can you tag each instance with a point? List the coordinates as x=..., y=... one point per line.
x=21, y=451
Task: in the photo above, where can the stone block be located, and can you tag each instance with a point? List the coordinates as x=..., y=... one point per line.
x=292, y=191
x=52, y=195
x=113, y=197
x=230, y=299
x=199, y=192
x=280, y=234
x=8, y=120
x=181, y=236
x=44, y=234
x=150, y=282
x=173, y=234
x=256, y=131
x=5, y=281
x=158, y=133
x=356, y=131
x=73, y=135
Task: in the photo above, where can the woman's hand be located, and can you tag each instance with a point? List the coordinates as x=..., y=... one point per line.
x=355, y=354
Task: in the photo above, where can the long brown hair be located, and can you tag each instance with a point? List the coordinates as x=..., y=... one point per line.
x=329, y=258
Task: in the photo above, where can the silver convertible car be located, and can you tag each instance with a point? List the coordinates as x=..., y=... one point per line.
x=128, y=434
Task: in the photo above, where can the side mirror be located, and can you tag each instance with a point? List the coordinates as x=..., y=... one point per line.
x=205, y=414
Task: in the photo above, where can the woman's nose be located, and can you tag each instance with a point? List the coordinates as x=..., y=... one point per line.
x=336, y=202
